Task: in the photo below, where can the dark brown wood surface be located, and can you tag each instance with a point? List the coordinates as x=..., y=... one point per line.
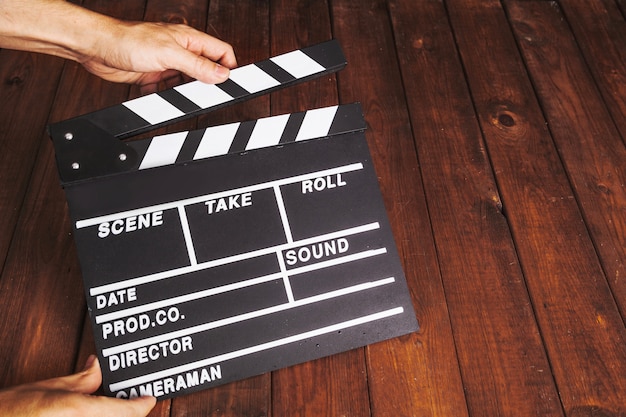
x=497, y=131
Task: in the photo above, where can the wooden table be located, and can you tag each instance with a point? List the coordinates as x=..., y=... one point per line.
x=498, y=133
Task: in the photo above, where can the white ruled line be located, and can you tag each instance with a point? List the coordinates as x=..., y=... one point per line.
x=254, y=349
x=231, y=259
x=187, y=234
x=245, y=316
x=337, y=261
x=200, y=199
x=283, y=214
x=103, y=318
x=285, y=277
x=283, y=274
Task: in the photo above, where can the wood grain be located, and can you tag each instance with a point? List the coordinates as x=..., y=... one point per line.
x=572, y=301
x=43, y=288
x=600, y=30
x=500, y=351
x=584, y=132
x=22, y=118
x=401, y=372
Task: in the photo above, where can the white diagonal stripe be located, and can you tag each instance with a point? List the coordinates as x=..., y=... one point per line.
x=163, y=150
x=252, y=78
x=267, y=132
x=153, y=108
x=316, y=123
x=203, y=95
x=216, y=141
x=298, y=64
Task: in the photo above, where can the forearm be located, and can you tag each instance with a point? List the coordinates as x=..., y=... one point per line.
x=54, y=27
x=134, y=52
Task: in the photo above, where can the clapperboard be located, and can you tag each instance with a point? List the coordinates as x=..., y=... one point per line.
x=213, y=255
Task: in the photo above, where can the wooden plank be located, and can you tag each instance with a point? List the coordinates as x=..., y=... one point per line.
x=44, y=294
x=600, y=30
x=27, y=95
x=418, y=374
x=578, y=319
x=29, y=83
x=335, y=385
x=38, y=283
x=584, y=132
x=297, y=25
x=503, y=363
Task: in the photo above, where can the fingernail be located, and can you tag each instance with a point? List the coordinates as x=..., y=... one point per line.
x=221, y=71
x=90, y=361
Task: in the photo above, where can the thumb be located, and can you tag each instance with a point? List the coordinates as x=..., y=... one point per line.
x=142, y=405
x=85, y=382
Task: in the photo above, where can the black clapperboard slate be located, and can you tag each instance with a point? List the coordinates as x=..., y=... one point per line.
x=213, y=255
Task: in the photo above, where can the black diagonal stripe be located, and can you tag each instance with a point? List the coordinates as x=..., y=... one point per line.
x=242, y=137
x=233, y=89
x=275, y=71
x=192, y=141
x=118, y=120
x=292, y=128
x=141, y=147
x=179, y=101
x=349, y=118
x=327, y=54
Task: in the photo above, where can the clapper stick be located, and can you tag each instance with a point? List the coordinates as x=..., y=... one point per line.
x=217, y=254
x=245, y=136
x=83, y=144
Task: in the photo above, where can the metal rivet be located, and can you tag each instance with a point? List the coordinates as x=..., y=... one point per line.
x=69, y=136
x=122, y=157
x=75, y=165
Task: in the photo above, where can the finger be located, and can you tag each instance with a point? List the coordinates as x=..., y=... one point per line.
x=136, y=407
x=84, y=382
x=200, y=68
x=202, y=56
x=95, y=406
x=209, y=47
x=142, y=405
x=88, y=381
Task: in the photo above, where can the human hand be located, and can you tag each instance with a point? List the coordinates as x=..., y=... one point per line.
x=132, y=52
x=68, y=396
x=147, y=53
